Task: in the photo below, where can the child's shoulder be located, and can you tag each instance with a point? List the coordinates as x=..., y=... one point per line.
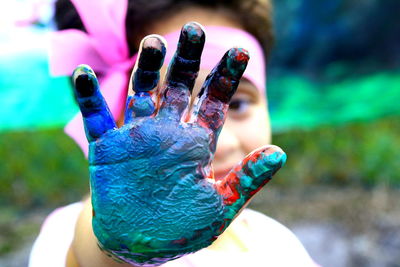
x=269, y=232
x=253, y=239
x=51, y=246
x=259, y=231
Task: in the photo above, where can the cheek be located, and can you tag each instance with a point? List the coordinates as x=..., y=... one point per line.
x=253, y=131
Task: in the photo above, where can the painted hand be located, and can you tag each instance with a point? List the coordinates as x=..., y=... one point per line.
x=153, y=192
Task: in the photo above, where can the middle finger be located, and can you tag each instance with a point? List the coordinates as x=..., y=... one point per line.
x=183, y=70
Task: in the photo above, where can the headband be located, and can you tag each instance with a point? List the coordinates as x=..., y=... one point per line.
x=104, y=47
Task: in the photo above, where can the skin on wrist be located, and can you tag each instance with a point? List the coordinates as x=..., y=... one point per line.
x=84, y=251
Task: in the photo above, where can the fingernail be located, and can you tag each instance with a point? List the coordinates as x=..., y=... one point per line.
x=236, y=62
x=277, y=159
x=267, y=163
x=191, y=41
x=152, y=54
x=85, y=81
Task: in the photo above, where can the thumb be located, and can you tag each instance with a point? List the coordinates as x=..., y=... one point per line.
x=248, y=177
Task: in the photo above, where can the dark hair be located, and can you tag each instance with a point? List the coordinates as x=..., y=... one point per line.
x=254, y=15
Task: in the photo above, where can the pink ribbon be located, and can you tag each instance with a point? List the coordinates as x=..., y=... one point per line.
x=104, y=47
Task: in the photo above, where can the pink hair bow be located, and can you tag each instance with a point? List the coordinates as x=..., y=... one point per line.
x=104, y=47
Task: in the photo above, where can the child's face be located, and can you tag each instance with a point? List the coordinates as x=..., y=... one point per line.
x=247, y=125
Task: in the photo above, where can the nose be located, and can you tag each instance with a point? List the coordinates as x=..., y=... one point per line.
x=227, y=144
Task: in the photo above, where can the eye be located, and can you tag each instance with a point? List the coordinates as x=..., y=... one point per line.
x=239, y=107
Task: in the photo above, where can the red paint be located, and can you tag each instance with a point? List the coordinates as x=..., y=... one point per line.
x=131, y=102
x=254, y=156
x=243, y=55
x=211, y=175
x=223, y=226
x=181, y=241
x=228, y=188
x=203, y=124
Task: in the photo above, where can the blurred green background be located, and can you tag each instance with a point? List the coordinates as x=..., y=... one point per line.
x=47, y=169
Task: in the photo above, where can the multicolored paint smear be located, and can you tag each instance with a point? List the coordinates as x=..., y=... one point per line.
x=153, y=192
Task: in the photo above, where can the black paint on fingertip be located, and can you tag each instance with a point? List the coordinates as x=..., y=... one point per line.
x=191, y=41
x=144, y=81
x=85, y=85
x=225, y=89
x=183, y=71
x=152, y=54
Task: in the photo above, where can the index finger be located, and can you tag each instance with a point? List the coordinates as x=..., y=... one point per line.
x=183, y=69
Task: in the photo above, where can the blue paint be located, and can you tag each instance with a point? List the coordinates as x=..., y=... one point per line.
x=140, y=105
x=151, y=201
x=96, y=115
x=148, y=191
x=145, y=81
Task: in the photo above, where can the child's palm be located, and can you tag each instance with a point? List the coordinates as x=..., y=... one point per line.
x=150, y=187
x=153, y=192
